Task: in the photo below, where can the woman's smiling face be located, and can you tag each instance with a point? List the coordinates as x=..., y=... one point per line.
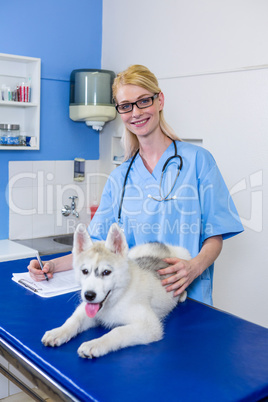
x=139, y=121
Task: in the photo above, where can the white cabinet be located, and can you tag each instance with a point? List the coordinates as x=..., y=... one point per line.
x=14, y=71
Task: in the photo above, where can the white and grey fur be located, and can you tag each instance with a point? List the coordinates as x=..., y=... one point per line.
x=126, y=286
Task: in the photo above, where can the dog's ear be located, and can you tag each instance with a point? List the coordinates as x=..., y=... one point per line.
x=82, y=240
x=116, y=241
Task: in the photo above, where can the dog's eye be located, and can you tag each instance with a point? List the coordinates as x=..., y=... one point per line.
x=106, y=272
x=84, y=271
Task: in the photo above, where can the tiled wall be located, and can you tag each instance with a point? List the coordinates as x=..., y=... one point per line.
x=39, y=189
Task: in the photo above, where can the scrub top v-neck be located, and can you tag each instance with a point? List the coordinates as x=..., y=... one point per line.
x=156, y=173
x=202, y=206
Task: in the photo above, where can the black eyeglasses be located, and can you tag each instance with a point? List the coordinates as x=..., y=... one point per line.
x=141, y=104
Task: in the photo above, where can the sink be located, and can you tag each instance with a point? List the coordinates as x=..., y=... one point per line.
x=65, y=239
x=49, y=245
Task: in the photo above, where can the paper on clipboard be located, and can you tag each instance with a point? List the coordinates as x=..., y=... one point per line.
x=62, y=282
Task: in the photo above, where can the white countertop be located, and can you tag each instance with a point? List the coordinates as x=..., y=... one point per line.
x=10, y=250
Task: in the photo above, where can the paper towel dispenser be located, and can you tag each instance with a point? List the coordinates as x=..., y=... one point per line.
x=91, y=98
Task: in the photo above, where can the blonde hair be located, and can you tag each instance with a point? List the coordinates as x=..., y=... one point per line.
x=141, y=76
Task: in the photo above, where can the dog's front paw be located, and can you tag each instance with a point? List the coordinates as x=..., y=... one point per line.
x=91, y=349
x=55, y=337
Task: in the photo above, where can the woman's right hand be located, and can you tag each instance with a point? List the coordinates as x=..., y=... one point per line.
x=37, y=274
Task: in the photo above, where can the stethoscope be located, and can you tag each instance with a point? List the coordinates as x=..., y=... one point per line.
x=161, y=196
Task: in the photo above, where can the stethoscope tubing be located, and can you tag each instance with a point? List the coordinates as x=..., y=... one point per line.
x=124, y=186
x=162, y=174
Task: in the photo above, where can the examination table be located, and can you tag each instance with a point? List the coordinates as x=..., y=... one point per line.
x=206, y=354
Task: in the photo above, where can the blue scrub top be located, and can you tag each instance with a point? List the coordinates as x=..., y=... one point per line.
x=202, y=206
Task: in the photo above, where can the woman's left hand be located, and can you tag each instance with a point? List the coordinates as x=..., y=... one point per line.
x=183, y=272
x=181, y=275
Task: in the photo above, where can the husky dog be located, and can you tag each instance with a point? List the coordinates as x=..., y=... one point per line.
x=120, y=290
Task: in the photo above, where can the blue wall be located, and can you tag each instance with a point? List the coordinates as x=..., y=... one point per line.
x=66, y=35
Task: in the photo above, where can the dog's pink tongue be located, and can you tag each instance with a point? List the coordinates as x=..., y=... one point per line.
x=92, y=309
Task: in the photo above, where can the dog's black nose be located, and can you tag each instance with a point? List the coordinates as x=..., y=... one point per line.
x=90, y=296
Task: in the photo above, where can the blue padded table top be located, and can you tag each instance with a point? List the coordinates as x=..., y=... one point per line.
x=206, y=355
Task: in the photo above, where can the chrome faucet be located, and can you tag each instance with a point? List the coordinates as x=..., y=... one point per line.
x=67, y=210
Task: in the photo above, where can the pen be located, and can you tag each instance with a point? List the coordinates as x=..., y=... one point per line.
x=41, y=265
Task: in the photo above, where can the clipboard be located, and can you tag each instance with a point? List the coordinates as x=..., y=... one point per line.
x=61, y=283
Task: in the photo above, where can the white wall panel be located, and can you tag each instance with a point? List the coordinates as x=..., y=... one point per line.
x=200, y=52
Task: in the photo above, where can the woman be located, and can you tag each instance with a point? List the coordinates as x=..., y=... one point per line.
x=166, y=190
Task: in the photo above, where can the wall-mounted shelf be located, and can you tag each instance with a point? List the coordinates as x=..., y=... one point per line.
x=17, y=104
x=13, y=71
